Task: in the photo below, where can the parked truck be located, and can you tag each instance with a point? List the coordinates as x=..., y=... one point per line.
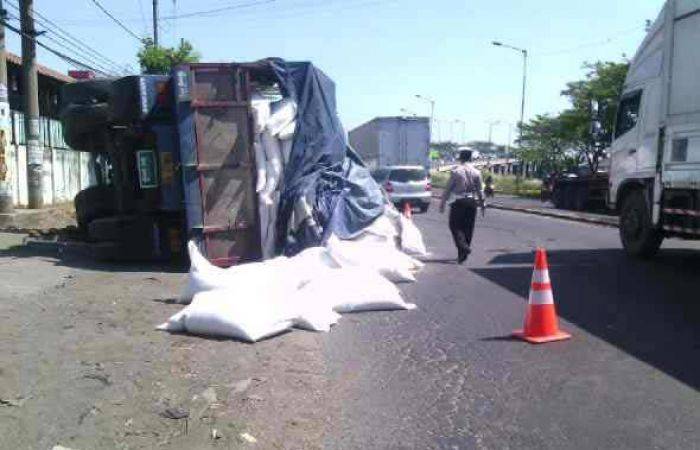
x=655, y=170
x=393, y=141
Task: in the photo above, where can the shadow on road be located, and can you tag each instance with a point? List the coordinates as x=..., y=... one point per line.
x=85, y=261
x=649, y=309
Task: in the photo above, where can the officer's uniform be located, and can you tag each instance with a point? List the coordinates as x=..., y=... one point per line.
x=465, y=192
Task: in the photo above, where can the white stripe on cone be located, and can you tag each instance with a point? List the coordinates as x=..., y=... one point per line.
x=540, y=276
x=541, y=297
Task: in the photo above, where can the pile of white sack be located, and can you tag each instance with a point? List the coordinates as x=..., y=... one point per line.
x=274, y=125
x=308, y=291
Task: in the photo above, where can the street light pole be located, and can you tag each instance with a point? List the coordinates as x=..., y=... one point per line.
x=522, y=101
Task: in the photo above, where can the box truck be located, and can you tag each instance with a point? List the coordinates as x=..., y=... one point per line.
x=655, y=170
x=393, y=141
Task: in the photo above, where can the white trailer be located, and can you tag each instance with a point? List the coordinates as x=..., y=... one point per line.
x=393, y=141
x=655, y=171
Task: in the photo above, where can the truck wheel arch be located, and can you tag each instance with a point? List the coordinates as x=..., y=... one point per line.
x=627, y=187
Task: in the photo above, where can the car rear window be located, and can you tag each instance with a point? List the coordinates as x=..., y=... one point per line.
x=380, y=175
x=405, y=175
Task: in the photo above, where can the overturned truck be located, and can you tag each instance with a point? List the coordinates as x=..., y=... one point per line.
x=248, y=159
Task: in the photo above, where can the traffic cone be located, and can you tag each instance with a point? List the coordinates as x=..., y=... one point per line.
x=407, y=210
x=541, y=323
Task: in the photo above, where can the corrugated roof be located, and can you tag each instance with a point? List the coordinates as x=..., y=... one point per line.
x=43, y=70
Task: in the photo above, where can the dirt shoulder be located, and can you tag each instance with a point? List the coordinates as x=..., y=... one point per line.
x=83, y=367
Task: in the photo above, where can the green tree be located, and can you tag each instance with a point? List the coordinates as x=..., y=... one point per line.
x=551, y=141
x=160, y=60
x=593, y=101
x=545, y=143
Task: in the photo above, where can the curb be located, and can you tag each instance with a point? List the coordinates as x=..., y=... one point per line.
x=605, y=221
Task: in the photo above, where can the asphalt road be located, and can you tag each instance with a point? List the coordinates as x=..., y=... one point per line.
x=449, y=376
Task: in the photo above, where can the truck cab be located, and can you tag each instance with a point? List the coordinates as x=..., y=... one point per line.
x=655, y=169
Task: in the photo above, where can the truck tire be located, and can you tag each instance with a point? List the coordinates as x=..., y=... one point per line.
x=580, y=197
x=87, y=92
x=92, y=203
x=639, y=237
x=557, y=197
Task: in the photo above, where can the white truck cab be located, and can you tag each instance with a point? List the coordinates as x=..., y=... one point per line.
x=655, y=169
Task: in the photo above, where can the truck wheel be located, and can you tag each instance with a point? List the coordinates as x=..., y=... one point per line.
x=580, y=197
x=557, y=199
x=639, y=237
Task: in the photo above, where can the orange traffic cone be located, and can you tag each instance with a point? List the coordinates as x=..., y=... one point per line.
x=541, y=323
x=407, y=210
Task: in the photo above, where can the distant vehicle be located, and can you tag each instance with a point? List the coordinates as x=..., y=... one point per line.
x=577, y=189
x=655, y=171
x=393, y=141
x=405, y=184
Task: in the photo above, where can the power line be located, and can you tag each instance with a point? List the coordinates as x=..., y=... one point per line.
x=117, y=21
x=210, y=12
x=97, y=64
x=83, y=49
x=61, y=55
x=593, y=44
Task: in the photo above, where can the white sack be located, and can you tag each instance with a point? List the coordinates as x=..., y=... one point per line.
x=283, y=113
x=250, y=313
x=316, y=319
x=273, y=156
x=197, y=261
x=260, y=165
x=383, y=258
x=411, y=238
x=382, y=230
x=261, y=111
x=350, y=290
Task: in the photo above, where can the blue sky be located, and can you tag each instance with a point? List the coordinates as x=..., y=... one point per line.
x=382, y=52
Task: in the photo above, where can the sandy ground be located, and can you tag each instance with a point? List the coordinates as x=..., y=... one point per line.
x=83, y=367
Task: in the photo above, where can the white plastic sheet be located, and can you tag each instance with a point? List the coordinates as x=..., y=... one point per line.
x=260, y=165
x=261, y=111
x=273, y=167
x=283, y=113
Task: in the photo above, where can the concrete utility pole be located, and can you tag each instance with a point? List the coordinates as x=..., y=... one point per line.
x=35, y=151
x=5, y=178
x=155, y=23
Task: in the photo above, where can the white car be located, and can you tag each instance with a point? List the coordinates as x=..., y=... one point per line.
x=405, y=184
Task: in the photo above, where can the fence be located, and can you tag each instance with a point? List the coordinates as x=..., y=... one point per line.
x=66, y=171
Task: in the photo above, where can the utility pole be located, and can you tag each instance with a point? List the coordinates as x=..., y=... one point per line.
x=155, y=23
x=35, y=151
x=5, y=183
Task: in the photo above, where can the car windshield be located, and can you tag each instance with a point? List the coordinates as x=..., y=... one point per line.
x=406, y=175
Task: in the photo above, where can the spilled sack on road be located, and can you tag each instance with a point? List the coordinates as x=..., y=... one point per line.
x=253, y=301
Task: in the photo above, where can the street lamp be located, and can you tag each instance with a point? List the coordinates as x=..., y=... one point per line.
x=522, y=103
x=432, y=109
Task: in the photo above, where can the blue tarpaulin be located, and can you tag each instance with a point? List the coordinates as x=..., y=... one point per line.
x=324, y=173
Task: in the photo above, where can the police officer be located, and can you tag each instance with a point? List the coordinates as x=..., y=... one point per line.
x=465, y=192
